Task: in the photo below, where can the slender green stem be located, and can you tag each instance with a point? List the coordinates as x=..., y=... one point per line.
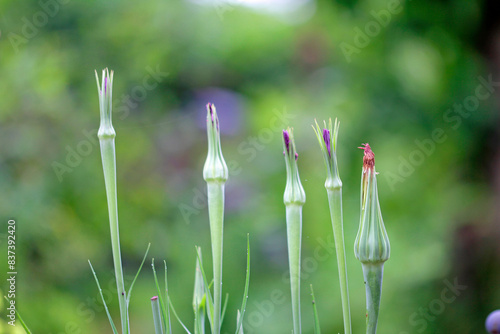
x=199, y=321
x=294, y=236
x=335, y=202
x=155, y=304
x=317, y=329
x=215, y=191
x=107, y=142
x=373, y=274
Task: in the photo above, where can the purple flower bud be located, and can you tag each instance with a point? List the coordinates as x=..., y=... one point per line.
x=105, y=84
x=326, y=138
x=296, y=156
x=154, y=298
x=286, y=137
x=493, y=322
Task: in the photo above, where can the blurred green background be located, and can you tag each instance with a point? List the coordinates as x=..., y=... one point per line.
x=409, y=78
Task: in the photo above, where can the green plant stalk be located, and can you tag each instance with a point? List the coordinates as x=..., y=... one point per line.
x=294, y=237
x=199, y=321
x=215, y=192
x=239, y=319
x=373, y=274
x=155, y=305
x=335, y=203
x=106, y=135
x=107, y=143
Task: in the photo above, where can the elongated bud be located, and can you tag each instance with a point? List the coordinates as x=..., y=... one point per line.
x=294, y=192
x=105, y=90
x=215, y=168
x=372, y=243
x=327, y=139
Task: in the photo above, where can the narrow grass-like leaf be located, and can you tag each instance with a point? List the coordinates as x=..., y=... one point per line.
x=223, y=313
x=137, y=275
x=167, y=309
x=210, y=301
x=162, y=307
x=245, y=293
x=238, y=317
x=155, y=305
x=199, y=298
x=317, y=330
x=176, y=316
x=103, y=301
x=19, y=318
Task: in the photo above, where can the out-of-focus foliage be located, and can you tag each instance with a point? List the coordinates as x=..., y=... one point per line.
x=264, y=71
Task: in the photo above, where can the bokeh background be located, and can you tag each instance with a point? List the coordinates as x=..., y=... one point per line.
x=408, y=77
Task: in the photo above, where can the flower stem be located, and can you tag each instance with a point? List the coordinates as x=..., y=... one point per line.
x=294, y=236
x=106, y=135
x=373, y=274
x=107, y=143
x=215, y=191
x=335, y=202
x=156, y=315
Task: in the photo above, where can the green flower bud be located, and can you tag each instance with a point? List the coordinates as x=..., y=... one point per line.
x=215, y=168
x=294, y=192
x=372, y=243
x=105, y=90
x=328, y=142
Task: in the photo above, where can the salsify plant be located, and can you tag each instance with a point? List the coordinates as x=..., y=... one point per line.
x=372, y=246
x=215, y=173
x=327, y=139
x=106, y=135
x=294, y=199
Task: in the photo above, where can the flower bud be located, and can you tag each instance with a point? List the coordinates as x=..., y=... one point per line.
x=105, y=90
x=328, y=142
x=215, y=168
x=294, y=192
x=372, y=243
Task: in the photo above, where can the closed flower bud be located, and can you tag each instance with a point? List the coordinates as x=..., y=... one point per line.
x=294, y=192
x=372, y=243
x=328, y=142
x=215, y=168
x=105, y=90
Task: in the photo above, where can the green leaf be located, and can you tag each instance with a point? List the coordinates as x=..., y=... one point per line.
x=167, y=309
x=208, y=294
x=245, y=293
x=162, y=305
x=317, y=330
x=137, y=275
x=103, y=301
x=19, y=317
x=176, y=316
x=238, y=317
x=224, y=308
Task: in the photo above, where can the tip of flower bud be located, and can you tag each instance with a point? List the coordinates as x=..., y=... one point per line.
x=154, y=298
x=326, y=138
x=286, y=138
x=369, y=157
x=210, y=108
